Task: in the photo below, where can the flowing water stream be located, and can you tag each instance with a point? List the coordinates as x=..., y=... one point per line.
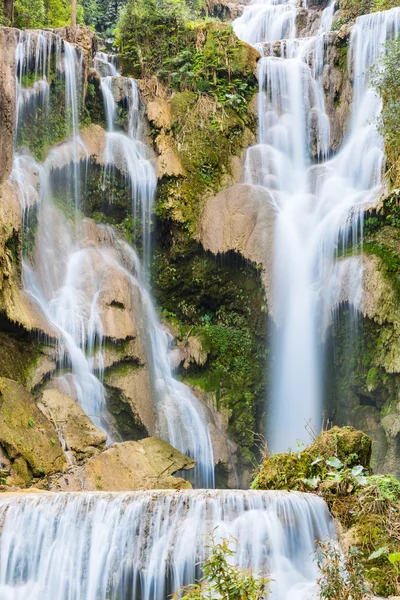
x=145, y=545
x=318, y=202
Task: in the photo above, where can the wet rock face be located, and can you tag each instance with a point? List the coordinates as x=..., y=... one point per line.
x=337, y=84
x=145, y=465
x=8, y=44
x=241, y=218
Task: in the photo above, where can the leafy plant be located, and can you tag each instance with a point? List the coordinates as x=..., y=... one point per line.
x=31, y=422
x=341, y=575
x=224, y=580
x=385, y=78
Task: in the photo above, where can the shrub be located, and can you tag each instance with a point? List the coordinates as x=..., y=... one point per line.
x=223, y=580
x=341, y=573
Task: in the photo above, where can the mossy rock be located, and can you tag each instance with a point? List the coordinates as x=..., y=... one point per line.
x=18, y=355
x=28, y=438
x=348, y=444
x=366, y=507
x=283, y=471
x=287, y=471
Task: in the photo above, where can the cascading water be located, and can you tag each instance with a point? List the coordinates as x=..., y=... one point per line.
x=67, y=275
x=146, y=545
x=318, y=206
x=142, y=545
x=181, y=419
x=61, y=277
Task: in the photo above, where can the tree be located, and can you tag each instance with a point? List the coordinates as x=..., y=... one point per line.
x=73, y=13
x=29, y=14
x=9, y=10
x=223, y=580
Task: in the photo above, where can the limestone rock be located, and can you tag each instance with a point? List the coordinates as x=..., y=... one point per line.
x=85, y=38
x=135, y=389
x=145, y=465
x=159, y=113
x=168, y=162
x=81, y=437
x=29, y=440
x=241, y=218
x=8, y=43
x=191, y=352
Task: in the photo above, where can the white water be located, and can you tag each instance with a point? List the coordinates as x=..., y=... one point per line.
x=318, y=205
x=72, y=266
x=61, y=278
x=181, y=419
x=145, y=545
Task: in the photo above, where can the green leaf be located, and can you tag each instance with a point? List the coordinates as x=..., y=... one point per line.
x=378, y=553
x=312, y=482
x=356, y=471
x=334, y=462
x=316, y=461
x=394, y=557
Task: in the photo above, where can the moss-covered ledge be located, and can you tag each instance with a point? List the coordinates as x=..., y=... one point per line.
x=197, y=81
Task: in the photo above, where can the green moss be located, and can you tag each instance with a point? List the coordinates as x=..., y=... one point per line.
x=213, y=76
x=221, y=302
x=46, y=124
x=94, y=104
x=30, y=225
x=205, y=138
x=18, y=355
x=342, y=60
x=373, y=379
x=29, y=445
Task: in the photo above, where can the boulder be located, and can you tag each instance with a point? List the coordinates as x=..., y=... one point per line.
x=145, y=465
x=74, y=427
x=27, y=437
x=287, y=471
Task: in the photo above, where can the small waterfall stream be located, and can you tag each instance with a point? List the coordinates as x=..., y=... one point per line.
x=319, y=203
x=146, y=545
x=181, y=419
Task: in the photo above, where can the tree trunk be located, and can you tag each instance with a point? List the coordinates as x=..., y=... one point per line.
x=9, y=10
x=73, y=14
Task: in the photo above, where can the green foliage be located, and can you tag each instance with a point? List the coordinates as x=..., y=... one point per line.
x=157, y=37
x=337, y=23
x=224, y=580
x=341, y=573
x=351, y=9
x=388, y=486
x=29, y=13
x=32, y=14
x=385, y=76
x=102, y=15
x=31, y=422
x=222, y=306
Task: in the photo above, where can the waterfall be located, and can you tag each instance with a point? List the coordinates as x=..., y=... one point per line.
x=318, y=204
x=69, y=270
x=146, y=545
x=60, y=277
x=181, y=419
